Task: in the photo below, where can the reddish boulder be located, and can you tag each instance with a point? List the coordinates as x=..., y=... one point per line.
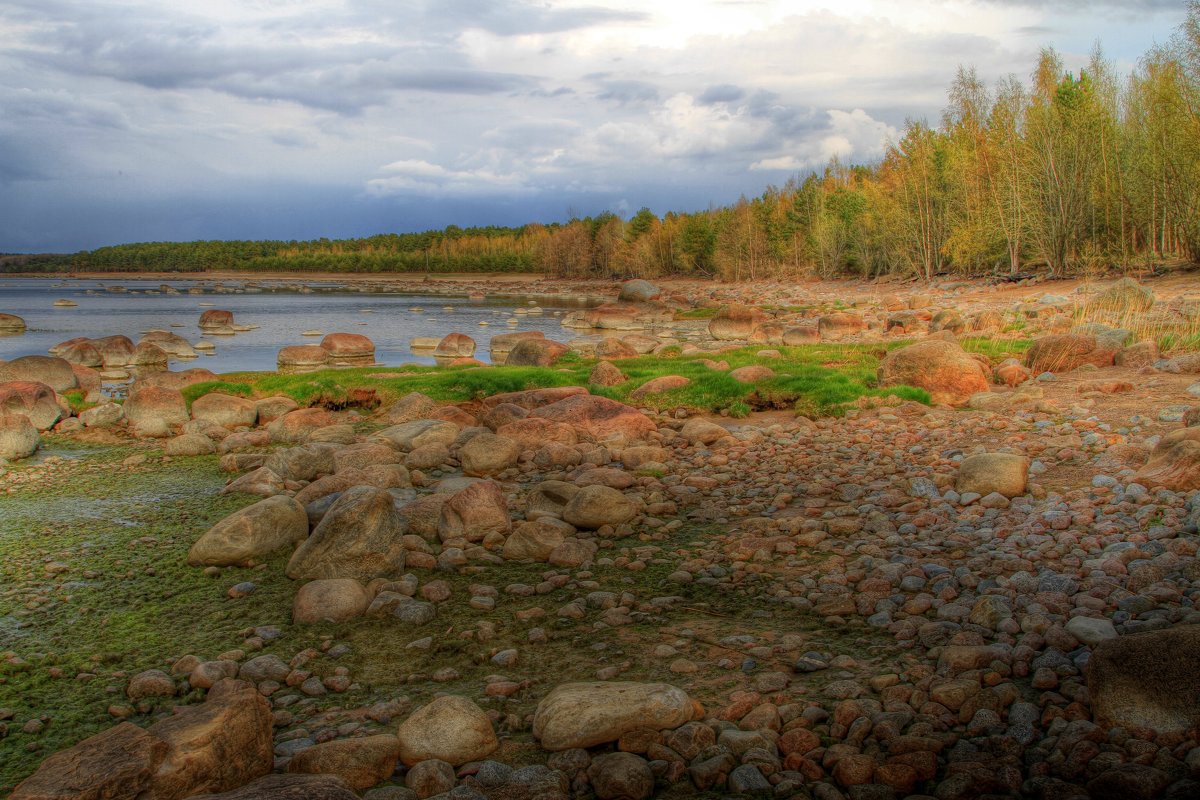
x=302, y=355
x=54, y=372
x=225, y=410
x=213, y=319
x=1012, y=373
x=1175, y=462
x=171, y=343
x=115, y=351
x=361, y=762
x=36, y=401
x=502, y=343
x=18, y=437
x=352, y=347
x=735, y=322
x=57, y=350
x=942, y=368
x=299, y=425
x=83, y=353
x=534, y=398
x=611, y=349
x=1063, y=352
x=839, y=324
x=11, y=324
x=598, y=417
x=118, y=763
x=330, y=600
x=177, y=380
x=665, y=383
x=455, y=345
x=360, y=537
x=218, y=745
x=535, y=353
x=153, y=408
x=752, y=373
x=533, y=432
x=474, y=512
x=801, y=334
x=605, y=374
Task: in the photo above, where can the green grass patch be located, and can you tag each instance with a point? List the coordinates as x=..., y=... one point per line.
x=77, y=402
x=996, y=349
x=814, y=379
x=1178, y=342
x=447, y=384
x=198, y=390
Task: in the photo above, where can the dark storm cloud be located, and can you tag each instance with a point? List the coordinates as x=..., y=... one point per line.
x=22, y=160
x=520, y=18
x=628, y=91
x=334, y=80
x=164, y=52
x=723, y=93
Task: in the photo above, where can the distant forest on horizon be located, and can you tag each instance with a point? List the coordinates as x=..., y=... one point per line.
x=1063, y=173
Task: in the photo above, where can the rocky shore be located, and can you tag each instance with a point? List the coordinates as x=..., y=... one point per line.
x=993, y=595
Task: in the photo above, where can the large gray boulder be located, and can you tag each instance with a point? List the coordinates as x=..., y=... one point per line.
x=225, y=410
x=253, y=532
x=330, y=600
x=215, y=746
x=451, y=728
x=360, y=537
x=54, y=372
x=587, y=714
x=1148, y=681
x=488, y=454
x=18, y=437
x=474, y=512
x=409, y=436
x=595, y=506
x=37, y=401
x=985, y=473
x=638, y=291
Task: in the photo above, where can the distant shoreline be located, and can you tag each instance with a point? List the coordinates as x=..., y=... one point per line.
x=471, y=277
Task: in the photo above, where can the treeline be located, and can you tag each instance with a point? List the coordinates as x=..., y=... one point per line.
x=454, y=249
x=1062, y=172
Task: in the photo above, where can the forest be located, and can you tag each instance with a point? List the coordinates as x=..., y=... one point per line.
x=1060, y=173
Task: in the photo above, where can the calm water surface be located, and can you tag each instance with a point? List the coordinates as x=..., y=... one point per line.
x=391, y=321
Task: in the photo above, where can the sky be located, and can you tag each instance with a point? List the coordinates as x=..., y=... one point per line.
x=140, y=120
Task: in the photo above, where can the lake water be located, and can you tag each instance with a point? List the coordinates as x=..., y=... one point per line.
x=391, y=321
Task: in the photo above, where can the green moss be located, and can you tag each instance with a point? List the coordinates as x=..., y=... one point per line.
x=127, y=601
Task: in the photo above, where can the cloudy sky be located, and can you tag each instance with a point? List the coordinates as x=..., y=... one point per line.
x=139, y=120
